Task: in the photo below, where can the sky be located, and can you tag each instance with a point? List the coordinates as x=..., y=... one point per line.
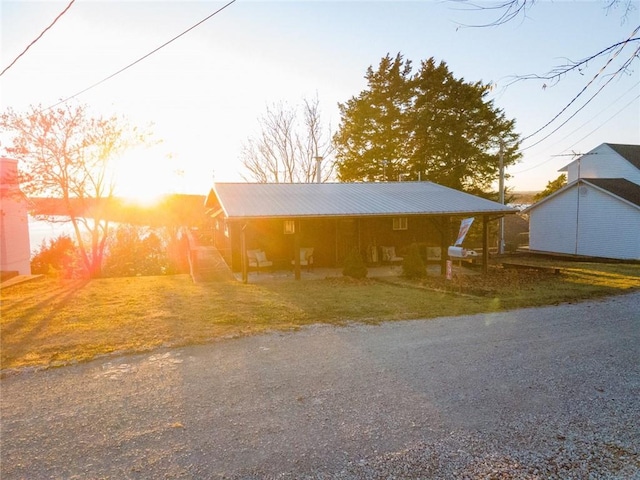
x=204, y=93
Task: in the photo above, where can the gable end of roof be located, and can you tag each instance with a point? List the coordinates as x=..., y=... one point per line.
x=630, y=153
x=620, y=187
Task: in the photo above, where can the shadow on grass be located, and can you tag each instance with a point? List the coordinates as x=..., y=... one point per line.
x=18, y=334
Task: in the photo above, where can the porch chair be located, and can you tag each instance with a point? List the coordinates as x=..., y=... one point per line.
x=389, y=255
x=306, y=258
x=258, y=259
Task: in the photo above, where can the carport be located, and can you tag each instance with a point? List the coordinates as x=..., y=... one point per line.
x=336, y=217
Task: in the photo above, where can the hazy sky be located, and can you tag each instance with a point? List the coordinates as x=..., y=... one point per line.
x=205, y=91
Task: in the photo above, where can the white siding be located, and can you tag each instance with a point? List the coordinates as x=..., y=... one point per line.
x=586, y=222
x=602, y=162
x=552, y=225
x=607, y=227
x=15, y=251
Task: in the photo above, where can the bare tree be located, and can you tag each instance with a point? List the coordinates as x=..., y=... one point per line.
x=508, y=10
x=67, y=155
x=288, y=146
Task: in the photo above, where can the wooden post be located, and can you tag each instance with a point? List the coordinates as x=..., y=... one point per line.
x=243, y=255
x=296, y=249
x=485, y=244
x=445, y=239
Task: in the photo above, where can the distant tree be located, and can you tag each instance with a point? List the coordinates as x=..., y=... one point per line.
x=67, y=154
x=426, y=125
x=552, y=186
x=288, y=144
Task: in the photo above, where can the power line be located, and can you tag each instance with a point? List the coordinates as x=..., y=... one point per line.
x=607, y=120
x=38, y=37
x=574, y=99
x=580, y=109
x=633, y=88
x=578, y=141
x=143, y=57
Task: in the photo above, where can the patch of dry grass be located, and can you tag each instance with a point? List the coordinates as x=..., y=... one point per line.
x=52, y=322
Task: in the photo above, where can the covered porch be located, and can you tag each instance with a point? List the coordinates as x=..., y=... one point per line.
x=281, y=220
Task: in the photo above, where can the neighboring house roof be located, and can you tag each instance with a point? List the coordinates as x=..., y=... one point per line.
x=631, y=153
x=287, y=200
x=619, y=187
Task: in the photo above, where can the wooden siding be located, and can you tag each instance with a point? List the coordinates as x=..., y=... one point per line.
x=331, y=238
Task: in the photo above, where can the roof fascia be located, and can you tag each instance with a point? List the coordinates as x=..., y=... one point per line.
x=553, y=195
x=500, y=213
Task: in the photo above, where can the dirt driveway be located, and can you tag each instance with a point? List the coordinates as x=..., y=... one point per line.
x=535, y=393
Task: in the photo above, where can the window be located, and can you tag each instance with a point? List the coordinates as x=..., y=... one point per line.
x=289, y=227
x=400, y=223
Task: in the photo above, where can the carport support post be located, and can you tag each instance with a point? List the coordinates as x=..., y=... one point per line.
x=445, y=236
x=485, y=244
x=243, y=254
x=296, y=249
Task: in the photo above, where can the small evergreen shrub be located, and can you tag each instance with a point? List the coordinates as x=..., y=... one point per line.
x=354, y=265
x=412, y=264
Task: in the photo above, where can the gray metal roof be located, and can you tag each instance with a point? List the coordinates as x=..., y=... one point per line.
x=287, y=200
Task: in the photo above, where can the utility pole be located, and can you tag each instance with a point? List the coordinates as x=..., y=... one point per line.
x=501, y=187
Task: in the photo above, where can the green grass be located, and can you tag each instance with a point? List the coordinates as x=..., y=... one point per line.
x=53, y=322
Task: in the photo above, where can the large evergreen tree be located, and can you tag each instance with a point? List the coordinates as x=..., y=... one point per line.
x=426, y=125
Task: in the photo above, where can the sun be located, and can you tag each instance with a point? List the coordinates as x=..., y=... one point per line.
x=143, y=180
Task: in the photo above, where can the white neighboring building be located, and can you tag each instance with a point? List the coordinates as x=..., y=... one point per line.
x=15, y=250
x=609, y=160
x=597, y=213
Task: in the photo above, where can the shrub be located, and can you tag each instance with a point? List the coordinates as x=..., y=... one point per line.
x=57, y=257
x=354, y=265
x=135, y=251
x=412, y=264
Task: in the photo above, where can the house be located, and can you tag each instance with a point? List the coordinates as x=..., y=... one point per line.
x=15, y=249
x=334, y=218
x=597, y=214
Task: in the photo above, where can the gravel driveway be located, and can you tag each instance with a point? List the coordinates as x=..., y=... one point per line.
x=536, y=393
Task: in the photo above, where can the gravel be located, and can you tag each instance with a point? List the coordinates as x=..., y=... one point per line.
x=541, y=393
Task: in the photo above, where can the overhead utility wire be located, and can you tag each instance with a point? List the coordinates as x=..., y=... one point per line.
x=578, y=141
x=144, y=56
x=581, y=108
x=38, y=37
x=591, y=119
x=623, y=44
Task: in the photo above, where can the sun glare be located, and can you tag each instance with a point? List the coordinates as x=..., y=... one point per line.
x=143, y=180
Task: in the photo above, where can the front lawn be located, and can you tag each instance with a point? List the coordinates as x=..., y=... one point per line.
x=53, y=322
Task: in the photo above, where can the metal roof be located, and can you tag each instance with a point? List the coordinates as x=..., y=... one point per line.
x=287, y=200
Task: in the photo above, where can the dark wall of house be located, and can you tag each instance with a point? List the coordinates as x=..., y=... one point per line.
x=331, y=238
